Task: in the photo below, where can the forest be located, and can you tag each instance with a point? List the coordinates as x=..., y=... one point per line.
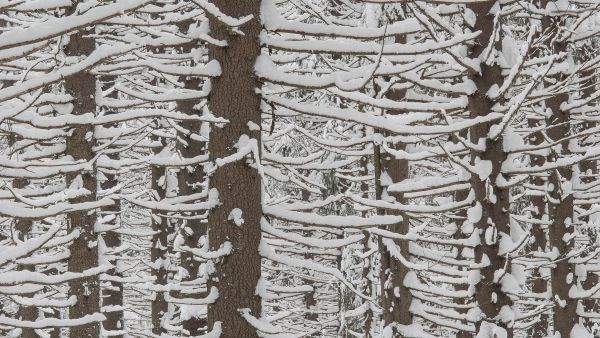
x=299, y=168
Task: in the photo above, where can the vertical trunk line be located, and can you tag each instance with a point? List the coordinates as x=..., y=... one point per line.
x=493, y=200
x=234, y=97
x=84, y=250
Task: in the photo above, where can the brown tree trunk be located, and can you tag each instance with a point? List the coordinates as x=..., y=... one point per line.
x=396, y=298
x=560, y=210
x=159, y=253
x=234, y=97
x=310, y=297
x=462, y=195
x=190, y=183
x=494, y=200
x=193, y=228
x=560, y=204
x=112, y=291
x=23, y=226
x=539, y=283
x=84, y=253
x=367, y=287
x=589, y=170
x=397, y=306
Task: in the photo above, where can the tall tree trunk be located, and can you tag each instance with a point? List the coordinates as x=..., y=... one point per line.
x=24, y=227
x=310, y=298
x=367, y=285
x=193, y=228
x=396, y=297
x=491, y=200
x=560, y=212
x=560, y=204
x=112, y=291
x=159, y=254
x=462, y=195
x=234, y=97
x=589, y=170
x=84, y=253
x=539, y=282
x=190, y=183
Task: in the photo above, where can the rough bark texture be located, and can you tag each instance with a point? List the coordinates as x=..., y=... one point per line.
x=539, y=283
x=159, y=247
x=493, y=199
x=589, y=170
x=395, y=304
x=367, y=287
x=310, y=298
x=112, y=291
x=560, y=202
x=234, y=97
x=84, y=253
x=463, y=303
x=24, y=227
x=159, y=251
x=560, y=210
x=193, y=229
x=190, y=182
x=539, y=231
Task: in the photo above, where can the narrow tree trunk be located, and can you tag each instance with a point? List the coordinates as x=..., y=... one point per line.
x=493, y=201
x=589, y=170
x=23, y=226
x=396, y=298
x=560, y=210
x=539, y=283
x=112, y=291
x=460, y=235
x=367, y=285
x=84, y=253
x=238, y=184
x=159, y=254
x=560, y=204
x=310, y=299
x=190, y=183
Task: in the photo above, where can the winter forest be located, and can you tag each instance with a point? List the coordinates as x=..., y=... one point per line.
x=300, y=168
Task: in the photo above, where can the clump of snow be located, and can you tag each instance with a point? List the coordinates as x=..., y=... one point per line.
x=236, y=216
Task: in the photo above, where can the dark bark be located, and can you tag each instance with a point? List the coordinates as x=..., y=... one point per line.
x=395, y=305
x=112, y=291
x=367, y=285
x=84, y=253
x=539, y=283
x=539, y=232
x=234, y=97
x=560, y=203
x=159, y=253
x=310, y=297
x=190, y=182
x=494, y=200
x=23, y=226
x=589, y=170
x=460, y=235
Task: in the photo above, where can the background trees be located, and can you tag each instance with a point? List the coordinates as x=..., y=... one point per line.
x=318, y=168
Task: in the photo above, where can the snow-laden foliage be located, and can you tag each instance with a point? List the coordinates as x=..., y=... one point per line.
x=286, y=168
